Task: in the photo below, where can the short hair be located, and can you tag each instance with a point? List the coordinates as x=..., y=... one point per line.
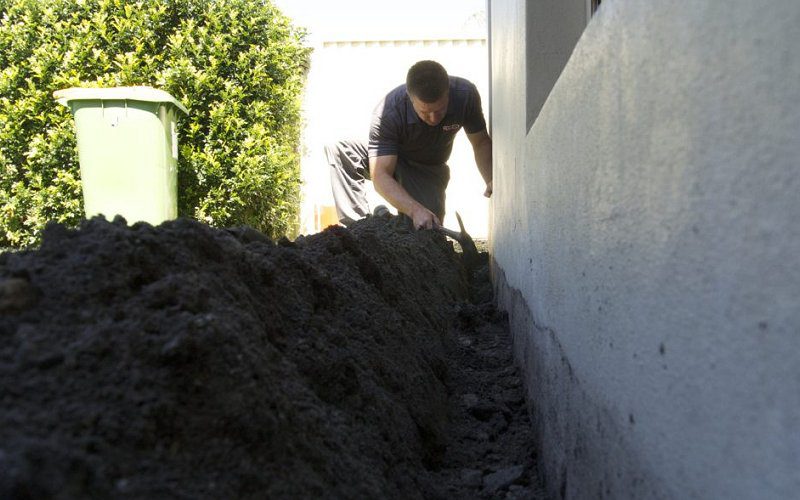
x=427, y=81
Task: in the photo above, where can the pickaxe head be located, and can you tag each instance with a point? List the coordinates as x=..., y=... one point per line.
x=470, y=251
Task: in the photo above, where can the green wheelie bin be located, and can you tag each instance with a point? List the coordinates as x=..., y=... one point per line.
x=128, y=151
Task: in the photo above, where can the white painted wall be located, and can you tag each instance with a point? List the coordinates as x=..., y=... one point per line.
x=645, y=236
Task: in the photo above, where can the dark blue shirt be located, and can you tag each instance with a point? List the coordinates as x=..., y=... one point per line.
x=397, y=130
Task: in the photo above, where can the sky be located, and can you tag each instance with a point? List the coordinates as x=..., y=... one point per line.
x=344, y=19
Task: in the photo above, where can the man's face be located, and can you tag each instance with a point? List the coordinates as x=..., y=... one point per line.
x=430, y=112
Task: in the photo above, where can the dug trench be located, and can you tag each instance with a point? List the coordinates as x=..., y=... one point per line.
x=182, y=361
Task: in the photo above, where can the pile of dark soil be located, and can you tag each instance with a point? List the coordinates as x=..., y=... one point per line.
x=183, y=361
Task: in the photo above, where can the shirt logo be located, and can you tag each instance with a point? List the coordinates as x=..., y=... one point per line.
x=448, y=128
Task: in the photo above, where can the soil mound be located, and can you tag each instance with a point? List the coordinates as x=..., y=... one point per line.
x=182, y=361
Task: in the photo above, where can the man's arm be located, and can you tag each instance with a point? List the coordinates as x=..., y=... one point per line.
x=381, y=170
x=482, y=148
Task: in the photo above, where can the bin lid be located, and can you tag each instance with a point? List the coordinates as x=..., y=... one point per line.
x=139, y=93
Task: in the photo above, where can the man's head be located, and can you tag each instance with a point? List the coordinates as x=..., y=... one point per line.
x=427, y=85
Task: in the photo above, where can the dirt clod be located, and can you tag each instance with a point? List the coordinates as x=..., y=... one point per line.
x=16, y=294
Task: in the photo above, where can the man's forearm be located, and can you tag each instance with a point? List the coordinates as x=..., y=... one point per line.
x=483, y=159
x=382, y=173
x=394, y=193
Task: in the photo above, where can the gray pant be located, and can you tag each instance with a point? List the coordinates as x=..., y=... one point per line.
x=349, y=164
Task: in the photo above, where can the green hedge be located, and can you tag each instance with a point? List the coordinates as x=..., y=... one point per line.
x=238, y=65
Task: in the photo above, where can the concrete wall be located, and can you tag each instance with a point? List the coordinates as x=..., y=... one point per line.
x=645, y=236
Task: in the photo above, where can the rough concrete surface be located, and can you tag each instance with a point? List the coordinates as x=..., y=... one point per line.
x=183, y=361
x=648, y=228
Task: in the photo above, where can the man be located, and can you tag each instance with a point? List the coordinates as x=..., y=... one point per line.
x=410, y=140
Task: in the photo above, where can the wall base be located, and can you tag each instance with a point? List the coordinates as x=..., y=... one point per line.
x=581, y=444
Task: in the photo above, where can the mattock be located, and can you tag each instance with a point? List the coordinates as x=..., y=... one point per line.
x=470, y=251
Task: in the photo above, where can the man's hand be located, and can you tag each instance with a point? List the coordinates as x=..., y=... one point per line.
x=488, y=192
x=424, y=218
x=382, y=172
